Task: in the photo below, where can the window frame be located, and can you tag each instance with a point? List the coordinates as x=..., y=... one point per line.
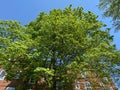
x=10, y=88
x=102, y=85
x=105, y=79
x=111, y=88
x=83, y=74
x=2, y=77
x=77, y=85
x=87, y=85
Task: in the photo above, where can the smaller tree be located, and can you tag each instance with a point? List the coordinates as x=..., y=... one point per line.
x=112, y=9
x=19, y=57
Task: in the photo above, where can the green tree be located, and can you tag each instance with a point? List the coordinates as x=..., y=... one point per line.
x=18, y=55
x=51, y=50
x=112, y=9
x=72, y=40
x=15, y=44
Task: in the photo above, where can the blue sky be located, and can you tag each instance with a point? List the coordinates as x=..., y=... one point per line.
x=27, y=10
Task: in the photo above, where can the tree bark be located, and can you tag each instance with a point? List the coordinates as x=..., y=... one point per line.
x=53, y=66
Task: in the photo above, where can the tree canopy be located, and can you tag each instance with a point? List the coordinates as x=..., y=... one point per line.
x=46, y=49
x=112, y=9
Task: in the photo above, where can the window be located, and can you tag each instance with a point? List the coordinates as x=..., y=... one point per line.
x=2, y=74
x=102, y=85
x=105, y=79
x=83, y=74
x=10, y=88
x=87, y=86
x=77, y=85
x=111, y=88
x=17, y=76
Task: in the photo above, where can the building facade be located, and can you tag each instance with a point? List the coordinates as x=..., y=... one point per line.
x=91, y=81
x=85, y=81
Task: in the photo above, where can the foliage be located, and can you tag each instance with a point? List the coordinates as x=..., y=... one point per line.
x=55, y=47
x=112, y=9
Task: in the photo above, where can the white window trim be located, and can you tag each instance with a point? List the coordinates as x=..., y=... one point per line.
x=83, y=74
x=106, y=79
x=2, y=78
x=10, y=88
x=87, y=87
x=111, y=88
x=77, y=85
x=102, y=85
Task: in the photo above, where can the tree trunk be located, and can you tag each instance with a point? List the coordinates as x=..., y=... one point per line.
x=53, y=66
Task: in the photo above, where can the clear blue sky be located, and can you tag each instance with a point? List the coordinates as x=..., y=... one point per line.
x=27, y=10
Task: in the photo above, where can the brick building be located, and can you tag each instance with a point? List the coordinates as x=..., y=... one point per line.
x=4, y=85
x=90, y=81
x=8, y=85
x=84, y=81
